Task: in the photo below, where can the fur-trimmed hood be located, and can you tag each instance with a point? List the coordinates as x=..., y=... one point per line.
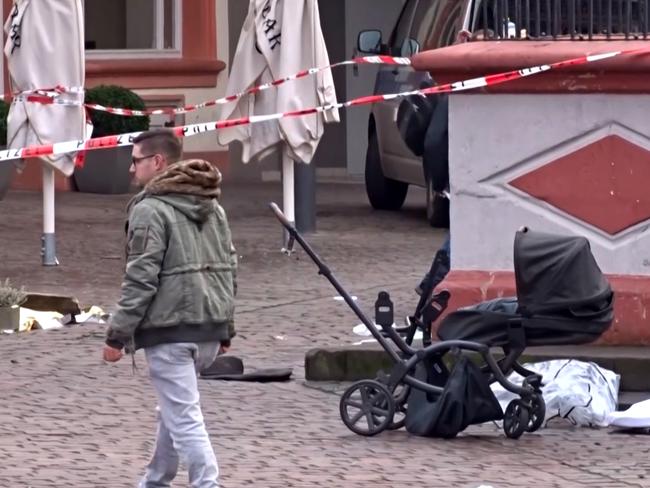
x=189, y=186
x=190, y=177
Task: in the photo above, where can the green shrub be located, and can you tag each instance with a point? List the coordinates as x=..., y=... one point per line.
x=106, y=124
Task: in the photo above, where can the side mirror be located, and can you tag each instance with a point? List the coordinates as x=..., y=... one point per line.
x=409, y=47
x=369, y=42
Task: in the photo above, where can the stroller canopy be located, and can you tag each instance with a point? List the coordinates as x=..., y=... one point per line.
x=562, y=297
x=555, y=272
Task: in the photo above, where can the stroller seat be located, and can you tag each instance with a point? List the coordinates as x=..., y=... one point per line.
x=562, y=298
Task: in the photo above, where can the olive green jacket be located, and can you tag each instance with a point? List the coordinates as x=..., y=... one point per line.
x=180, y=279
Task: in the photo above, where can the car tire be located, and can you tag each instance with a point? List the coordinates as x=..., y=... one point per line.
x=383, y=193
x=437, y=208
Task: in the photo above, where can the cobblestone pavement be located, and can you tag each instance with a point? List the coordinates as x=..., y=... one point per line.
x=69, y=420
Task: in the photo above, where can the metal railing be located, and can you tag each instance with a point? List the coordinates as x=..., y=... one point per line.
x=563, y=19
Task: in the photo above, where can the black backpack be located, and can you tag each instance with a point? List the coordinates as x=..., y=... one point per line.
x=413, y=117
x=423, y=124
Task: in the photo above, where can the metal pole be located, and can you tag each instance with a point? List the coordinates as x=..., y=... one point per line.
x=305, y=197
x=48, y=241
x=288, y=198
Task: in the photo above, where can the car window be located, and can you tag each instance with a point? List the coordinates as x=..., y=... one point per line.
x=442, y=31
x=403, y=27
x=424, y=19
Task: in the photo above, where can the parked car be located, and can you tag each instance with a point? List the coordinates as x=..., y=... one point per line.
x=431, y=24
x=390, y=165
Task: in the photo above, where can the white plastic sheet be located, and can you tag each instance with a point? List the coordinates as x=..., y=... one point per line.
x=635, y=417
x=582, y=393
x=362, y=330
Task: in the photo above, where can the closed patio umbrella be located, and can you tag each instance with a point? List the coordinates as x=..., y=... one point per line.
x=280, y=38
x=44, y=50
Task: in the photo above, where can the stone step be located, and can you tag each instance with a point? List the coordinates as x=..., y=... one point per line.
x=355, y=363
x=629, y=398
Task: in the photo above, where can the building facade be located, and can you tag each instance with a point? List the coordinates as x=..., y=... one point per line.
x=171, y=52
x=177, y=52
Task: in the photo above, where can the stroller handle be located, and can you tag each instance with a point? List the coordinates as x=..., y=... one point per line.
x=280, y=216
x=294, y=235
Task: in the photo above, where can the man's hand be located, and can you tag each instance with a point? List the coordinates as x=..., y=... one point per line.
x=111, y=354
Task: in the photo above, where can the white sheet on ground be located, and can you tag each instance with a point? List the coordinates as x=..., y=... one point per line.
x=362, y=330
x=635, y=417
x=582, y=393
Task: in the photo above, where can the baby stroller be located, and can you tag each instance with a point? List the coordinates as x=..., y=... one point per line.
x=440, y=389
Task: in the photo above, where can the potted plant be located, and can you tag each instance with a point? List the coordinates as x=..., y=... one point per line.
x=11, y=299
x=6, y=168
x=107, y=170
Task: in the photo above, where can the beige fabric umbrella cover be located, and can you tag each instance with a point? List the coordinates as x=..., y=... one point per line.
x=278, y=39
x=45, y=49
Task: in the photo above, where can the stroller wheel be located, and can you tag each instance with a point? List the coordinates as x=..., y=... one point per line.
x=537, y=413
x=367, y=408
x=515, y=421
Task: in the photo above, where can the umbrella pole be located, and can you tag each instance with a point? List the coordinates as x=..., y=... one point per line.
x=305, y=193
x=48, y=241
x=288, y=200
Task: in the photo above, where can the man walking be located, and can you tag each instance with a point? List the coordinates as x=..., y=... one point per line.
x=177, y=298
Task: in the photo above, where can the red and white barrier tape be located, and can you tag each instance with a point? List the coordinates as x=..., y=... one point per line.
x=54, y=99
x=193, y=129
x=41, y=95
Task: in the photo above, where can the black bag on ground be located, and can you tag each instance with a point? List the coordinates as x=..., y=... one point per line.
x=467, y=399
x=231, y=368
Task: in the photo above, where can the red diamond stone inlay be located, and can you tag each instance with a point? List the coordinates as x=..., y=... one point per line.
x=605, y=184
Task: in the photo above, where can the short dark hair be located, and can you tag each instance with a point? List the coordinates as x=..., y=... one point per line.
x=161, y=141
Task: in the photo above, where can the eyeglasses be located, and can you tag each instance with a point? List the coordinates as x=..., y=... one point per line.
x=135, y=160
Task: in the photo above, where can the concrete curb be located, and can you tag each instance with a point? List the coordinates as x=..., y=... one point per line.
x=352, y=364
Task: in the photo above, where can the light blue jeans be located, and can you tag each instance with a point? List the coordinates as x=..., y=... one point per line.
x=181, y=431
